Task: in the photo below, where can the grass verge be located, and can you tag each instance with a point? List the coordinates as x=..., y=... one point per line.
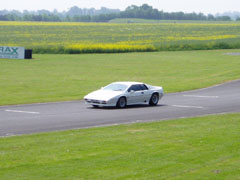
x=69, y=77
x=192, y=148
x=151, y=21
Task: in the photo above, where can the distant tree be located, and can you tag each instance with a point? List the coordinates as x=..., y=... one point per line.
x=73, y=11
x=45, y=12
x=223, y=18
x=104, y=14
x=210, y=17
x=3, y=18
x=13, y=17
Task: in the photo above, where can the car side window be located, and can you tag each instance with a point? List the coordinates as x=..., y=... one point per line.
x=135, y=88
x=144, y=87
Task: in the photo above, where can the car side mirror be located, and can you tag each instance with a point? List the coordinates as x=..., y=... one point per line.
x=132, y=91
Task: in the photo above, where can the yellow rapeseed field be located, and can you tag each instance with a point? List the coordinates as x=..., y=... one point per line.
x=67, y=37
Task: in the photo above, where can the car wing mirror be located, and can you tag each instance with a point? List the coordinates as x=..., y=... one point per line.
x=132, y=91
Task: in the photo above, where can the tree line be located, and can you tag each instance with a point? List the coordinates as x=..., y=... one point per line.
x=76, y=14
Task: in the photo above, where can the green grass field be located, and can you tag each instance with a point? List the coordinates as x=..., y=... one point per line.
x=45, y=37
x=139, y=20
x=70, y=77
x=194, y=148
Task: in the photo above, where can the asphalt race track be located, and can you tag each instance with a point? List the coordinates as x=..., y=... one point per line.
x=33, y=118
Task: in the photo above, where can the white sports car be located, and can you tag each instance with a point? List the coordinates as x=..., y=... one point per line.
x=121, y=94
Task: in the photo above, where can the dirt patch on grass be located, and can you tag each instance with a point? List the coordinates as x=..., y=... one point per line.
x=135, y=130
x=234, y=54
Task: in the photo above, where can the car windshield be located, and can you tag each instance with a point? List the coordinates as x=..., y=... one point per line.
x=115, y=87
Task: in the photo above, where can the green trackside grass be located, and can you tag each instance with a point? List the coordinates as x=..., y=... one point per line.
x=194, y=148
x=70, y=77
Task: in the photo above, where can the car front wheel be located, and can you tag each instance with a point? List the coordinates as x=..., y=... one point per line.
x=154, y=99
x=122, y=102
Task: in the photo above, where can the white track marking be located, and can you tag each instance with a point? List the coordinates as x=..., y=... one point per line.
x=201, y=96
x=16, y=111
x=199, y=107
x=47, y=103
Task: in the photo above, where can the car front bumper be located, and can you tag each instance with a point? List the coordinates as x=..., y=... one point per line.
x=101, y=103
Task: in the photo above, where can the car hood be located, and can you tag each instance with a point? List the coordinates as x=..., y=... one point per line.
x=103, y=95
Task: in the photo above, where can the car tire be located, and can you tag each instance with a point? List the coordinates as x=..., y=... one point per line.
x=154, y=99
x=122, y=102
x=95, y=106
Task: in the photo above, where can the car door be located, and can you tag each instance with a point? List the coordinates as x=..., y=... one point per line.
x=146, y=93
x=135, y=94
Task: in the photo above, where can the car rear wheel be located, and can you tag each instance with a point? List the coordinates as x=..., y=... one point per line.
x=122, y=102
x=154, y=99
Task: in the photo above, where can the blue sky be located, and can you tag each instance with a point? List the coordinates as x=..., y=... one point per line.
x=205, y=6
